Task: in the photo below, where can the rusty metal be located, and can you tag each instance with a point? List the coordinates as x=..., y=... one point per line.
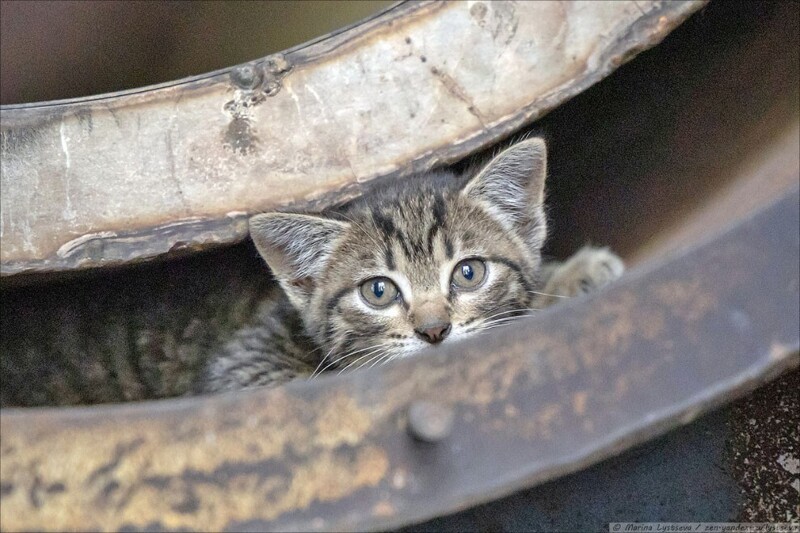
x=569, y=387
x=119, y=178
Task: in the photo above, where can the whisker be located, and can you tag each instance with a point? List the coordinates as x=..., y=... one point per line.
x=369, y=356
x=317, y=370
x=380, y=359
x=391, y=358
x=524, y=311
x=491, y=326
x=344, y=356
x=501, y=321
x=372, y=353
x=497, y=323
x=507, y=312
x=508, y=319
x=351, y=354
x=374, y=359
x=494, y=322
x=546, y=294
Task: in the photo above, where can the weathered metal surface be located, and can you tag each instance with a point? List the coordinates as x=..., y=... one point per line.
x=124, y=177
x=547, y=396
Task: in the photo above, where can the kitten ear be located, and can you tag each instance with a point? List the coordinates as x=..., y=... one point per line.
x=511, y=188
x=296, y=247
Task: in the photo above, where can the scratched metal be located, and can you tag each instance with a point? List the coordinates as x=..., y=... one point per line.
x=556, y=393
x=123, y=177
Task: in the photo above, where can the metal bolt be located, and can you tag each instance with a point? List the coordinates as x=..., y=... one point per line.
x=429, y=421
x=246, y=76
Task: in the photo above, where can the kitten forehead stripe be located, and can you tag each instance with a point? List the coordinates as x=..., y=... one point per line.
x=438, y=219
x=387, y=226
x=388, y=257
x=383, y=223
x=448, y=247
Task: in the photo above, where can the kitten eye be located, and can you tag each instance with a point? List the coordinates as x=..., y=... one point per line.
x=469, y=273
x=379, y=292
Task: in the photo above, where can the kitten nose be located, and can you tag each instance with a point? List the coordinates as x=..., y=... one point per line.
x=433, y=333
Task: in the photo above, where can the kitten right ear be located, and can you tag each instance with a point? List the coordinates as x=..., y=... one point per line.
x=511, y=189
x=296, y=247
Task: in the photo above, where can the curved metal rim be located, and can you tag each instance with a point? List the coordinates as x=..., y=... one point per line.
x=96, y=239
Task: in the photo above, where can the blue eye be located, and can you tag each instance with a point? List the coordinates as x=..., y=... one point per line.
x=469, y=274
x=379, y=292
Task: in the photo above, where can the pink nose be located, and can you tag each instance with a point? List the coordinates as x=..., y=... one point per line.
x=433, y=333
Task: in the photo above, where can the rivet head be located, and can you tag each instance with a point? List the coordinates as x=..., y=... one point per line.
x=246, y=76
x=429, y=421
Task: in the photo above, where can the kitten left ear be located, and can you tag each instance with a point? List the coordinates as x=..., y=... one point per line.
x=511, y=188
x=296, y=247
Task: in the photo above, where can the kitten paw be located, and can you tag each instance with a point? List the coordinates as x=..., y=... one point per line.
x=593, y=268
x=587, y=271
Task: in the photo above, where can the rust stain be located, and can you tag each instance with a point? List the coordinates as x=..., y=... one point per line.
x=143, y=475
x=610, y=329
x=560, y=361
x=327, y=479
x=341, y=421
x=688, y=299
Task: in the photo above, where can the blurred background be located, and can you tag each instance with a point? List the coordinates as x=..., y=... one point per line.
x=65, y=49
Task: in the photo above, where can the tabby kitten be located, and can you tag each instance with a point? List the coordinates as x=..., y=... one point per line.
x=434, y=258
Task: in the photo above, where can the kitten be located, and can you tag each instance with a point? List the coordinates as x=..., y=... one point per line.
x=434, y=258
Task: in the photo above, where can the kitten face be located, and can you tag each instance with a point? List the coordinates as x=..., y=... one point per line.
x=429, y=260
